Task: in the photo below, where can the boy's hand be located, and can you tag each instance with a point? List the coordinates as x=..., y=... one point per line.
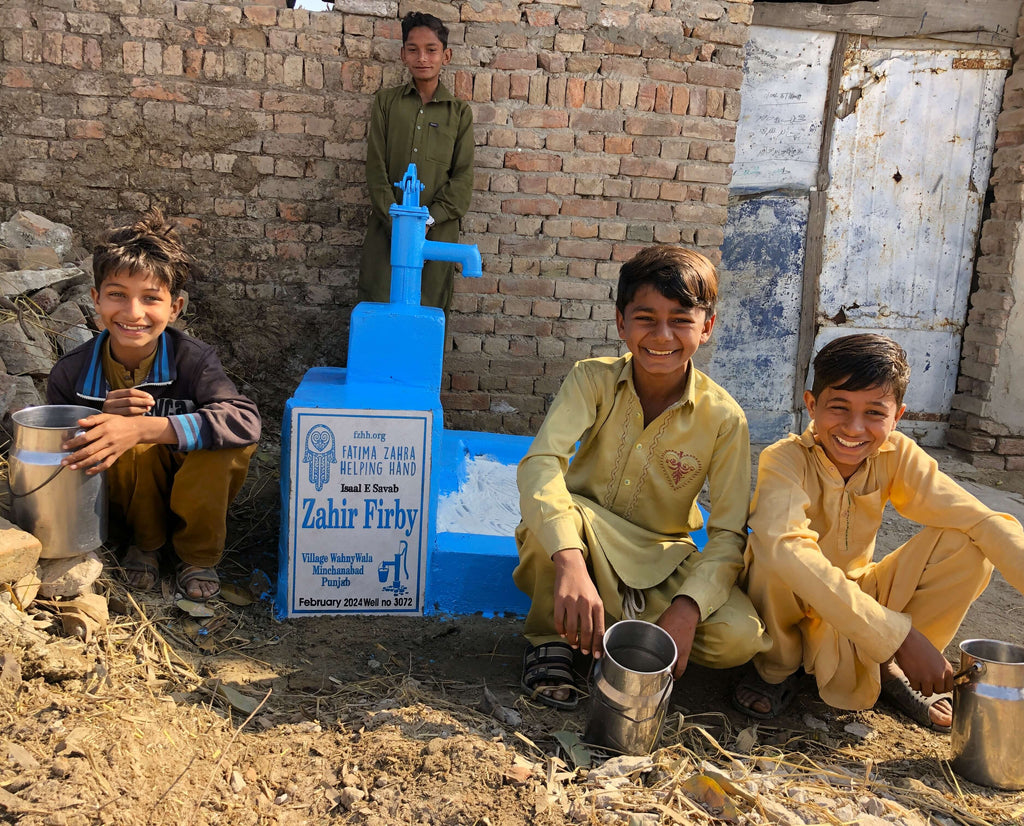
x=680, y=621
x=106, y=437
x=927, y=669
x=579, y=612
x=128, y=402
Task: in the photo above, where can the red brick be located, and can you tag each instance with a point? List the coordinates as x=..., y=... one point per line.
x=652, y=125
x=574, y=91
x=536, y=287
x=648, y=167
x=598, y=250
x=597, y=164
x=1010, y=446
x=86, y=129
x=519, y=87
x=533, y=161
x=17, y=79
x=261, y=15
x=540, y=119
x=539, y=18
x=154, y=90
x=530, y=206
x=514, y=61
x=646, y=211
x=582, y=208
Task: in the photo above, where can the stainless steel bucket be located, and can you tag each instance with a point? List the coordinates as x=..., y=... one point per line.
x=630, y=688
x=65, y=509
x=988, y=714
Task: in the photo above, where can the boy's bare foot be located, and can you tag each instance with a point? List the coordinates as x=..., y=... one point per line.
x=198, y=583
x=935, y=712
x=141, y=568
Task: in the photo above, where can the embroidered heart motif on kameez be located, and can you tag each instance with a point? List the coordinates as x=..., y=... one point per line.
x=678, y=466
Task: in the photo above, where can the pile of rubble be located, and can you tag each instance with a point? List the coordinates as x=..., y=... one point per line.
x=46, y=307
x=46, y=310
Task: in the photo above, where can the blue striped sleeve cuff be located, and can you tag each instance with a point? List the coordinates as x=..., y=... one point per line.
x=188, y=429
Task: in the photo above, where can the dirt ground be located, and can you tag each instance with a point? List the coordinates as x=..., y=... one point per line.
x=242, y=719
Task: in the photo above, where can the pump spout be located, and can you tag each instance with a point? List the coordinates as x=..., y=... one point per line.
x=468, y=255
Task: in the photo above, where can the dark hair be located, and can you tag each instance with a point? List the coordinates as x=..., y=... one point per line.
x=675, y=272
x=415, y=19
x=150, y=246
x=862, y=362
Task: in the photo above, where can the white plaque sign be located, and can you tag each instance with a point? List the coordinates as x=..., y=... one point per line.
x=358, y=512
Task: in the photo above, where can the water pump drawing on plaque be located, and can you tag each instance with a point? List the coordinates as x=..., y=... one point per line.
x=358, y=445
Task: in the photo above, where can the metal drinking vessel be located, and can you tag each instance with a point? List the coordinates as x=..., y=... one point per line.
x=631, y=686
x=65, y=509
x=988, y=714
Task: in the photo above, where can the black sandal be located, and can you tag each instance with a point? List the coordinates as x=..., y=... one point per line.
x=549, y=662
x=779, y=695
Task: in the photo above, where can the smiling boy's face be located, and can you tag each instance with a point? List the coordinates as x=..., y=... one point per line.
x=135, y=308
x=424, y=55
x=851, y=425
x=661, y=333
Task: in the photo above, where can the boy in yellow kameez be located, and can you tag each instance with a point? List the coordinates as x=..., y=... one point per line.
x=609, y=535
x=864, y=629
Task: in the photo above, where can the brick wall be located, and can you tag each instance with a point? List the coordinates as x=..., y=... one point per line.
x=988, y=431
x=600, y=127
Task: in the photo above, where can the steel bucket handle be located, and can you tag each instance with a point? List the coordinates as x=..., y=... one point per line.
x=973, y=667
x=45, y=481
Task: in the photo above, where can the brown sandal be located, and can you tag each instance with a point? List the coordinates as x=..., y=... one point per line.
x=140, y=567
x=189, y=574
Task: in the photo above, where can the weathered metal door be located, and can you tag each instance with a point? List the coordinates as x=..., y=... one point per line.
x=909, y=164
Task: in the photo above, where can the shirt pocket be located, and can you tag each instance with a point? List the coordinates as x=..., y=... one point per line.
x=440, y=143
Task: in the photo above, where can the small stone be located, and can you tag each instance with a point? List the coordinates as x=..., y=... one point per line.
x=350, y=796
x=8, y=389
x=22, y=355
x=859, y=730
x=46, y=300
x=19, y=552
x=25, y=590
x=236, y=781
x=21, y=756
x=70, y=575
x=847, y=813
x=29, y=258
x=874, y=806
x=26, y=229
x=517, y=775
x=27, y=281
x=623, y=766
x=814, y=723
x=26, y=394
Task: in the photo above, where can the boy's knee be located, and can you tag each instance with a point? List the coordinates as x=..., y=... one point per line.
x=731, y=636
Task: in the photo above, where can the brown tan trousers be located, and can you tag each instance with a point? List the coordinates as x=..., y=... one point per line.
x=164, y=494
